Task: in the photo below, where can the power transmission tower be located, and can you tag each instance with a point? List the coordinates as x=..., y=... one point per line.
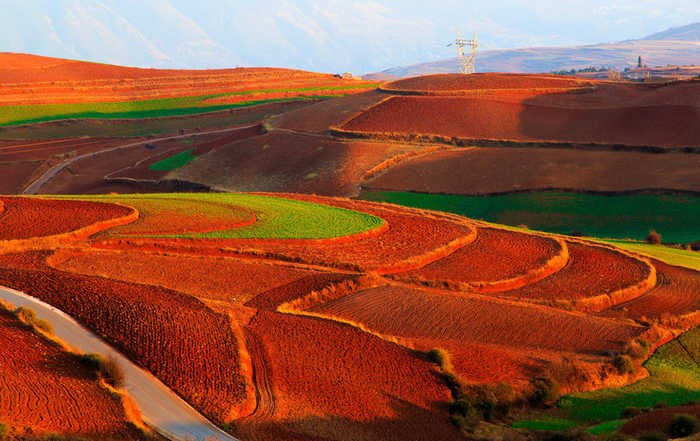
x=467, y=61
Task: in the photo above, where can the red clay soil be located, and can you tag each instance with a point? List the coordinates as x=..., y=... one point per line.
x=657, y=420
x=281, y=161
x=182, y=342
x=320, y=117
x=199, y=146
x=482, y=171
x=473, y=324
x=46, y=390
x=591, y=271
x=207, y=278
x=272, y=298
x=333, y=381
x=16, y=175
x=459, y=82
x=40, y=80
x=25, y=218
x=485, y=119
x=494, y=255
x=677, y=292
x=409, y=236
x=55, y=149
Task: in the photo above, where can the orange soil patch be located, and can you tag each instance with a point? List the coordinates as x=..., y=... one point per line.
x=207, y=278
x=46, y=390
x=275, y=297
x=67, y=81
x=470, y=325
x=282, y=161
x=592, y=271
x=332, y=381
x=182, y=342
x=458, y=82
x=657, y=420
x=677, y=292
x=234, y=99
x=25, y=218
x=495, y=255
x=481, y=171
x=446, y=118
x=410, y=241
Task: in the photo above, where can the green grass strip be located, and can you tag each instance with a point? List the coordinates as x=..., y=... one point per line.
x=553, y=424
x=277, y=218
x=606, y=427
x=173, y=162
x=674, y=379
x=673, y=256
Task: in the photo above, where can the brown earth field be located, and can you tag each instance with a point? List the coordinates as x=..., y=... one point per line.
x=46, y=390
x=456, y=83
x=471, y=120
x=657, y=420
x=481, y=171
x=30, y=79
x=303, y=339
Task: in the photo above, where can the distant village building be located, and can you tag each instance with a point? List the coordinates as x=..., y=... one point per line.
x=346, y=76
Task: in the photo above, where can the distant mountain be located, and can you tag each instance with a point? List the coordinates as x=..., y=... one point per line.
x=674, y=46
x=690, y=32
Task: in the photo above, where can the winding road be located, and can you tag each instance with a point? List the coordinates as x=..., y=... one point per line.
x=160, y=407
x=49, y=174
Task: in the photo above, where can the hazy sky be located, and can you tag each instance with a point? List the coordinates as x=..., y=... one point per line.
x=332, y=35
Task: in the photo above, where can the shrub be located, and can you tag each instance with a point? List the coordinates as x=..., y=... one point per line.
x=654, y=238
x=683, y=425
x=631, y=412
x=623, y=364
x=93, y=361
x=112, y=372
x=29, y=317
x=4, y=431
x=44, y=326
x=440, y=357
x=458, y=421
x=638, y=349
x=545, y=390
x=463, y=408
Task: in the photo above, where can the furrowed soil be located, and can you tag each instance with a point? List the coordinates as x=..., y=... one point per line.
x=46, y=390
x=503, y=170
x=24, y=218
x=322, y=390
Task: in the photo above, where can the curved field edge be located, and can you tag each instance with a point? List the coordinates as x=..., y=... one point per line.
x=277, y=217
x=674, y=378
x=57, y=240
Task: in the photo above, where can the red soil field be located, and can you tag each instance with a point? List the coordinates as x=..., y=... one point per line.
x=34, y=80
x=590, y=272
x=408, y=238
x=657, y=420
x=55, y=149
x=473, y=324
x=15, y=175
x=486, y=119
x=494, y=255
x=332, y=381
x=218, y=279
x=46, y=390
x=481, y=171
x=182, y=342
x=30, y=217
x=283, y=161
x=677, y=292
x=272, y=298
x=458, y=82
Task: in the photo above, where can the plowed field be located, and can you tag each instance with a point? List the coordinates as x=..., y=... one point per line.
x=591, y=271
x=25, y=218
x=657, y=420
x=182, y=342
x=323, y=389
x=494, y=255
x=486, y=119
x=458, y=82
x=45, y=390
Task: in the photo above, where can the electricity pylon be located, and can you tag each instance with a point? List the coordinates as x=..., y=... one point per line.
x=467, y=61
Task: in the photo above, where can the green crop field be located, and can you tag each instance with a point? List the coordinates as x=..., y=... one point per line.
x=154, y=108
x=277, y=218
x=674, y=379
x=173, y=162
x=676, y=218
